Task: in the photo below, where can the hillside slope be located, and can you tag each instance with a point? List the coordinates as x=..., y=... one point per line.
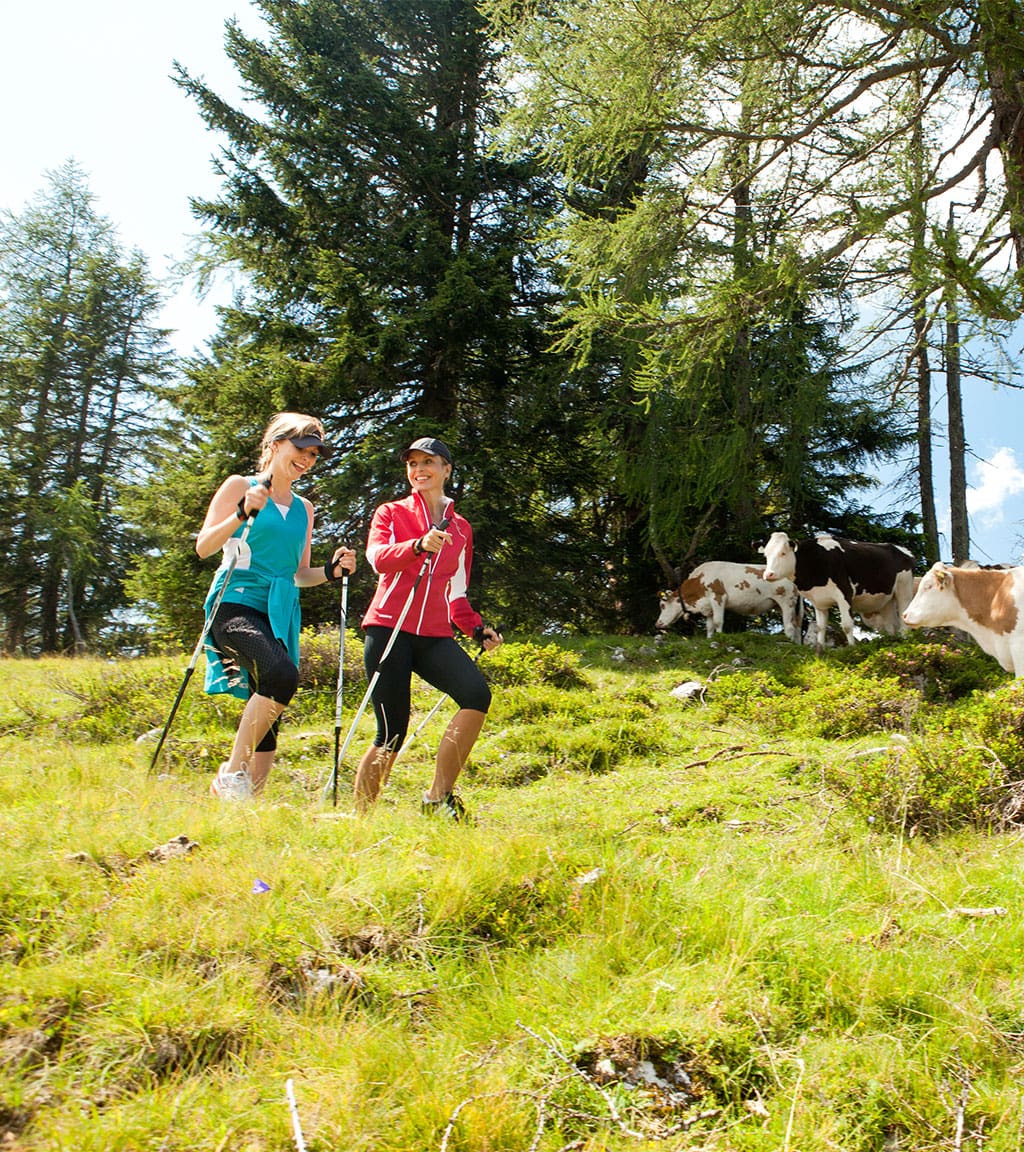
x=778, y=909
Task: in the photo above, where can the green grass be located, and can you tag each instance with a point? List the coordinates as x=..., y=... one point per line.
x=774, y=903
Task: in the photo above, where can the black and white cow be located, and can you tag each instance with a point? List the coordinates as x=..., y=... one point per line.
x=874, y=580
x=719, y=584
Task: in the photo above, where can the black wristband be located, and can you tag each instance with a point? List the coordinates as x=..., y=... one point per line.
x=331, y=571
x=417, y=548
x=241, y=513
x=478, y=635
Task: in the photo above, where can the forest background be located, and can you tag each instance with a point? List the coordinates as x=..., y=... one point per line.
x=577, y=240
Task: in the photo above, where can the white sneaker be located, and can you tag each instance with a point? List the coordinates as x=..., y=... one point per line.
x=232, y=786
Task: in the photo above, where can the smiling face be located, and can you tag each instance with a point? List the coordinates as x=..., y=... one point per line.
x=285, y=427
x=427, y=473
x=290, y=462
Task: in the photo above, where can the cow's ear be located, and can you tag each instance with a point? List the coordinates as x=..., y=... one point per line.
x=943, y=576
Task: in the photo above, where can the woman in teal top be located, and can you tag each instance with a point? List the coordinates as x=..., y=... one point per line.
x=253, y=645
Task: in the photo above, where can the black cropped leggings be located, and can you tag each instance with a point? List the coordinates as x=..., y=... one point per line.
x=439, y=660
x=243, y=636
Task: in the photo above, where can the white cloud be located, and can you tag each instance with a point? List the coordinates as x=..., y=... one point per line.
x=993, y=482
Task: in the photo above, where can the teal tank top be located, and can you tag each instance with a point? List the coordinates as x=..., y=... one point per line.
x=264, y=579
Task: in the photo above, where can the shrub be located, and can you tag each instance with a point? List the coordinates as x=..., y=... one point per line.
x=597, y=746
x=924, y=787
x=531, y=664
x=996, y=720
x=129, y=699
x=635, y=703
x=513, y=769
x=844, y=706
x=318, y=658
x=821, y=700
x=942, y=672
x=523, y=705
x=522, y=912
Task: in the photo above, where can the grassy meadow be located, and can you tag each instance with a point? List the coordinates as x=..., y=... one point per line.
x=720, y=895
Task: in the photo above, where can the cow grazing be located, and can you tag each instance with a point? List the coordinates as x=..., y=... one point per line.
x=712, y=587
x=874, y=580
x=986, y=603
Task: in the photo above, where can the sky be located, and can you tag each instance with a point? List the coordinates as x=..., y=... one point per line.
x=89, y=80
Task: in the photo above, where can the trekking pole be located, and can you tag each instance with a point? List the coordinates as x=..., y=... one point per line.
x=332, y=782
x=207, y=625
x=343, y=619
x=293, y=1110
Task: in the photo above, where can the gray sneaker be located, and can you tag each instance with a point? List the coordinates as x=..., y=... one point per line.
x=232, y=786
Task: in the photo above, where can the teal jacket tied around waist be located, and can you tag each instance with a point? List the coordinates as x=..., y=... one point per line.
x=264, y=578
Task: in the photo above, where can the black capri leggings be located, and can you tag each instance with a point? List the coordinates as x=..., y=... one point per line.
x=243, y=636
x=439, y=660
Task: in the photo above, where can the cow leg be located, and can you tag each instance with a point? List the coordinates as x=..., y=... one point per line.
x=788, y=610
x=821, y=628
x=846, y=620
x=716, y=621
x=902, y=594
x=889, y=620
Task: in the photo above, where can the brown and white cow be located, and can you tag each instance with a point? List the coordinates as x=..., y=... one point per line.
x=874, y=580
x=986, y=603
x=719, y=584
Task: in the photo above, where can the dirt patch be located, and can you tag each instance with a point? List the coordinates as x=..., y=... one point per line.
x=119, y=864
x=373, y=941
x=311, y=977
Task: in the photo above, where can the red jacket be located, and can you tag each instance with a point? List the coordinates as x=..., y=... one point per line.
x=440, y=599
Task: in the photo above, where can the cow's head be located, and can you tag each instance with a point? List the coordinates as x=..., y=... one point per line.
x=671, y=610
x=779, y=557
x=931, y=602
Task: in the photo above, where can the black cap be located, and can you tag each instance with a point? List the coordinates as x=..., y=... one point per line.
x=312, y=441
x=429, y=445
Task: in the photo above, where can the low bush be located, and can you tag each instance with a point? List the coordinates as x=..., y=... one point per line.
x=818, y=699
x=128, y=699
x=522, y=705
x=841, y=706
x=942, y=672
x=533, y=664
x=996, y=721
x=923, y=787
x=318, y=658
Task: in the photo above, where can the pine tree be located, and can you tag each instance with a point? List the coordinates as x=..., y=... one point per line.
x=78, y=351
x=392, y=287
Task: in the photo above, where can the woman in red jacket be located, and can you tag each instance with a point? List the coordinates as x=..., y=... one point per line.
x=422, y=538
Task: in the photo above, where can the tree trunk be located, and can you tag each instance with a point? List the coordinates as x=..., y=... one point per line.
x=925, y=471
x=1002, y=48
x=742, y=375
x=919, y=287
x=959, y=526
x=72, y=617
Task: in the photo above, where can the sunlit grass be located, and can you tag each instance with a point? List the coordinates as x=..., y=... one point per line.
x=646, y=878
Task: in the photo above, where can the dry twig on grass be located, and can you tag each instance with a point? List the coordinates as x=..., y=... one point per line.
x=736, y=752
x=612, y=1109
x=541, y=1113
